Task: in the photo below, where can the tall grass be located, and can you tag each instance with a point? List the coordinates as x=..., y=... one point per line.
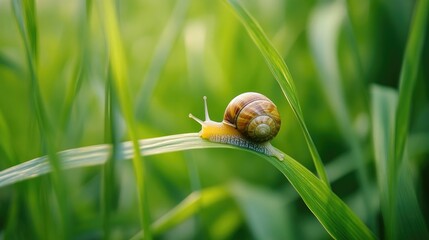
x=106, y=79
x=407, y=81
x=25, y=14
x=119, y=88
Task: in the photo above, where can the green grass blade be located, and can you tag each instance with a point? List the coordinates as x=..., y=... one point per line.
x=383, y=104
x=335, y=216
x=407, y=82
x=82, y=63
x=324, y=29
x=188, y=207
x=12, y=65
x=282, y=75
x=195, y=184
x=12, y=219
x=410, y=221
x=31, y=26
x=384, y=101
x=268, y=227
x=264, y=211
x=25, y=15
x=5, y=142
x=98, y=154
x=120, y=80
x=226, y=224
x=332, y=213
x=169, y=36
x=112, y=135
x=418, y=145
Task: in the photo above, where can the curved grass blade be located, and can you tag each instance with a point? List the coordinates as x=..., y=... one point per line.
x=284, y=78
x=210, y=196
x=332, y=213
x=11, y=65
x=120, y=82
x=267, y=228
x=97, y=155
x=188, y=207
x=335, y=216
x=407, y=82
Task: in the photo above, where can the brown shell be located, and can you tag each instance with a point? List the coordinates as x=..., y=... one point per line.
x=253, y=115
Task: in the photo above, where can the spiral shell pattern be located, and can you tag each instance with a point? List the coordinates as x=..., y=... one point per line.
x=253, y=115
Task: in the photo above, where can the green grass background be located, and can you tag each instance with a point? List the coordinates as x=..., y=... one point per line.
x=82, y=73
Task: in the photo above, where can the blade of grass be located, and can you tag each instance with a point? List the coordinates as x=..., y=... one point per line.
x=407, y=81
x=97, y=155
x=12, y=218
x=356, y=56
x=25, y=15
x=282, y=75
x=210, y=196
x=120, y=80
x=109, y=186
x=195, y=183
x=5, y=140
x=410, y=222
x=226, y=224
x=384, y=101
x=263, y=210
x=188, y=207
x=418, y=145
x=335, y=216
x=332, y=213
x=325, y=25
x=408, y=77
x=162, y=51
x=7, y=63
x=82, y=63
x=34, y=192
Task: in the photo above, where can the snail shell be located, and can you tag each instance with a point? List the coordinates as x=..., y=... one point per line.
x=253, y=115
x=250, y=121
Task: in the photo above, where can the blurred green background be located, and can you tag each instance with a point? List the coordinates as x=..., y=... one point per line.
x=176, y=52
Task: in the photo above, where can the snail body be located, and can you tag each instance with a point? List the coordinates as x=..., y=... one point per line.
x=250, y=121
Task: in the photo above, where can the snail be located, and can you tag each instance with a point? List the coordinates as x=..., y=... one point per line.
x=250, y=121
